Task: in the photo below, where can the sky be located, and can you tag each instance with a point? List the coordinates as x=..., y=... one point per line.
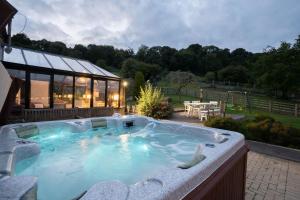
x=249, y=24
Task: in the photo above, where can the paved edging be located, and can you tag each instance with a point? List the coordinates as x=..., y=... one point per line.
x=274, y=150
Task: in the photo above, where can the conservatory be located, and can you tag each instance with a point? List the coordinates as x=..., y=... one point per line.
x=45, y=81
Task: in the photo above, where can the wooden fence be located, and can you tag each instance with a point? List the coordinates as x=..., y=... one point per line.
x=238, y=99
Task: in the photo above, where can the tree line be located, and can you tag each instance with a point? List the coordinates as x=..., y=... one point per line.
x=277, y=70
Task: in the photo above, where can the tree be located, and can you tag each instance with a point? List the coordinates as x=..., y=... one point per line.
x=167, y=54
x=232, y=73
x=131, y=66
x=239, y=56
x=21, y=40
x=210, y=76
x=297, y=43
x=278, y=70
x=139, y=83
x=101, y=63
x=184, y=60
x=141, y=54
x=180, y=80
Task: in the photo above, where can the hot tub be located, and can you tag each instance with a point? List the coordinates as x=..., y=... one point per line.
x=129, y=157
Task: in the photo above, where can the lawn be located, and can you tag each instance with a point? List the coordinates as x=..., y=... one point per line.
x=285, y=119
x=177, y=101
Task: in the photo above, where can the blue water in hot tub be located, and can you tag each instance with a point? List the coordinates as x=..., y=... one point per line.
x=70, y=162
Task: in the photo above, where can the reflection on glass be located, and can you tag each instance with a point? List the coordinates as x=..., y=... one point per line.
x=39, y=90
x=62, y=91
x=19, y=77
x=82, y=92
x=99, y=93
x=113, y=94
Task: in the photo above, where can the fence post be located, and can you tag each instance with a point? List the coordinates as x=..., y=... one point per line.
x=270, y=106
x=296, y=110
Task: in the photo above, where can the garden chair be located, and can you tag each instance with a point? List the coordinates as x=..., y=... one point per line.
x=214, y=108
x=213, y=103
x=186, y=106
x=195, y=110
x=190, y=111
x=204, y=112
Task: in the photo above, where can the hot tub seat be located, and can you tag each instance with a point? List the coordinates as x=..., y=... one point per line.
x=18, y=187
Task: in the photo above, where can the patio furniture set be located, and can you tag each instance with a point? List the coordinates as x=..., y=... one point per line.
x=202, y=110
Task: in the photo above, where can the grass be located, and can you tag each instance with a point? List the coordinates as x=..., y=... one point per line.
x=177, y=101
x=285, y=119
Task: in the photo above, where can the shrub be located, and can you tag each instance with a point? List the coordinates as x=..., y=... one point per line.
x=259, y=118
x=259, y=130
x=224, y=123
x=262, y=128
x=162, y=111
x=151, y=103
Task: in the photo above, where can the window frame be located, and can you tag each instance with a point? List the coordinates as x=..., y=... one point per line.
x=28, y=69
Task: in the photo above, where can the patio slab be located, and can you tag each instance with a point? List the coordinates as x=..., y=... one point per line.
x=272, y=178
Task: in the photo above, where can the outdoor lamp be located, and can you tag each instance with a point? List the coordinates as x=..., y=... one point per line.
x=125, y=83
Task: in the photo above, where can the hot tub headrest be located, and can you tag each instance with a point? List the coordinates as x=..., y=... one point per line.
x=27, y=131
x=198, y=157
x=96, y=123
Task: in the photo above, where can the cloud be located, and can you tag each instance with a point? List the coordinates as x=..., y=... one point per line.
x=129, y=23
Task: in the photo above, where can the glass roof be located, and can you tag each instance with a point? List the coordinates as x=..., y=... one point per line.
x=107, y=73
x=46, y=60
x=91, y=68
x=15, y=56
x=57, y=62
x=76, y=66
x=35, y=59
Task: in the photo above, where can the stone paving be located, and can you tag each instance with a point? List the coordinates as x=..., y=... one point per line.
x=271, y=178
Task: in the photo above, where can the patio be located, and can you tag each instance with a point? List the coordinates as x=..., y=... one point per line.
x=272, y=178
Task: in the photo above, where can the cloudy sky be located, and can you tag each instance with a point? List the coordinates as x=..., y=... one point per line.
x=251, y=24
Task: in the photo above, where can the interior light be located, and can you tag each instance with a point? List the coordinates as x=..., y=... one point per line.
x=116, y=97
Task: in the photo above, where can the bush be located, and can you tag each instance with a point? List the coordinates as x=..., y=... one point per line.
x=151, y=103
x=259, y=118
x=224, y=123
x=262, y=128
x=162, y=111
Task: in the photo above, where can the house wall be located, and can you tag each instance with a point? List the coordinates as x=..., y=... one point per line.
x=5, y=82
